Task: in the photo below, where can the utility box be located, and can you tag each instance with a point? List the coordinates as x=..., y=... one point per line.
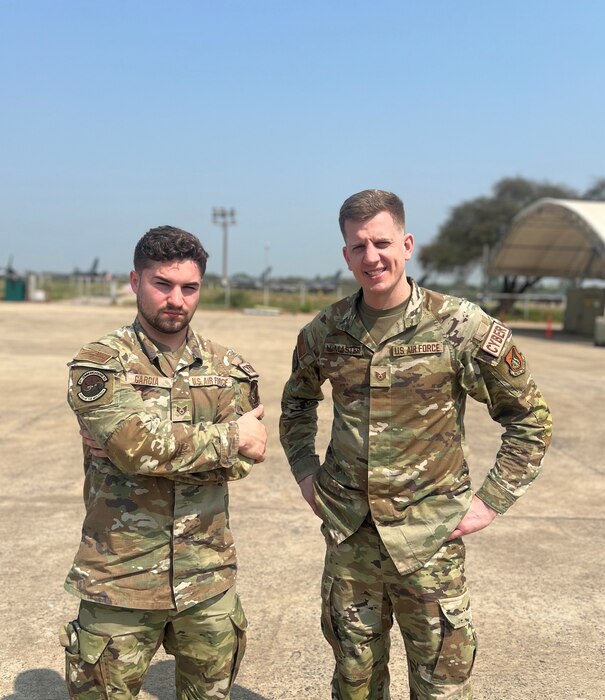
x=584, y=305
x=599, y=330
x=15, y=289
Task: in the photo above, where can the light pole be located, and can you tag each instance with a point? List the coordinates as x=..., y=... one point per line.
x=266, y=277
x=224, y=218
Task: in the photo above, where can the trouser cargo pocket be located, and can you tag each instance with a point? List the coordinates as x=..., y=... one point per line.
x=459, y=644
x=238, y=618
x=327, y=624
x=85, y=672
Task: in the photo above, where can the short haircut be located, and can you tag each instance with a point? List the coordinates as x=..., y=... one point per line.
x=167, y=243
x=365, y=205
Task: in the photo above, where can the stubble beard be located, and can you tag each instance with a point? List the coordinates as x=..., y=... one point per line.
x=164, y=324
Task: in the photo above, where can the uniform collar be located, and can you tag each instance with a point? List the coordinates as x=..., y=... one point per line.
x=192, y=351
x=351, y=322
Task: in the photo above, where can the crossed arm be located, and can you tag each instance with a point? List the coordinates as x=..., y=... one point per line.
x=252, y=436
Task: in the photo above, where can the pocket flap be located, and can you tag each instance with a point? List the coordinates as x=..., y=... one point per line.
x=91, y=645
x=457, y=610
x=238, y=616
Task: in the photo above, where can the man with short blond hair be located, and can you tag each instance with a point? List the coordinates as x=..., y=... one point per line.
x=394, y=492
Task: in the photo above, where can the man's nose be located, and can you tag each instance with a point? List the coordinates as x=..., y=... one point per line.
x=175, y=298
x=371, y=254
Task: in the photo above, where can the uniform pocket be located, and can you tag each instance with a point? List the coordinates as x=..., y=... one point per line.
x=238, y=618
x=245, y=387
x=84, y=665
x=327, y=624
x=459, y=644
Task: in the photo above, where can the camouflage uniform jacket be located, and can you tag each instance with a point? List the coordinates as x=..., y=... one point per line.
x=396, y=446
x=156, y=531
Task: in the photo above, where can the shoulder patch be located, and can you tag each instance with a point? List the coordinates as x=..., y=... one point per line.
x=516, y=362
x=495, y=340
x=99, y=357
x=301, y=346
x=248, y=369
x=92, y=385
x=481, y=330
x=91, y=388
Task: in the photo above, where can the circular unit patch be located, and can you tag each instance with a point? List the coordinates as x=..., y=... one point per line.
x=93, y=384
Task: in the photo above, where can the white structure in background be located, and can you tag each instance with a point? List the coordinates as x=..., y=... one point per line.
x=559, y=238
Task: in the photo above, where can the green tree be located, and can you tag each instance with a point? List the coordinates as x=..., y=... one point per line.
x=596, y=191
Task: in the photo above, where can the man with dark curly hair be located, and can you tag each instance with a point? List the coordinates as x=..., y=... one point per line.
x=168, y=418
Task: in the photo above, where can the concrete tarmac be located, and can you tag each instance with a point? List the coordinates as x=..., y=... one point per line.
x=534, y=574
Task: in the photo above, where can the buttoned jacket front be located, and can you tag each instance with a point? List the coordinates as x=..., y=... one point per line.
x=396, y=447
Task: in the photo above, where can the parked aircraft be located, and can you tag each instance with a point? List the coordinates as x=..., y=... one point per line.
x=292, y=285
x=8, y=271
x=325, y=284
x=92, y=272
x=244, y=281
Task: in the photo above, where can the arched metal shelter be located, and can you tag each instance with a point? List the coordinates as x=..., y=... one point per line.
x=554, y=238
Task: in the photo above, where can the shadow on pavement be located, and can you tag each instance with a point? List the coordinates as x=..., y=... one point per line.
x=38, y=684
x=45, y=684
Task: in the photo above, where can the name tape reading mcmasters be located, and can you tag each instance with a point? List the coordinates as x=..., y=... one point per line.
x=341, y=349
x=396, y=350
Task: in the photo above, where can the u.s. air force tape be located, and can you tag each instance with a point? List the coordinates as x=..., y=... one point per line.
x=417, y=349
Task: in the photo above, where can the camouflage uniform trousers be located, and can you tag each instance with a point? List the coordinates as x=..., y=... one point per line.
x=362, y=591
x=108, y=650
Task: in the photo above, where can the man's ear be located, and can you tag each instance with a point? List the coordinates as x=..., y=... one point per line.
x=408, y=245
x=345, y=255
x=134, y=281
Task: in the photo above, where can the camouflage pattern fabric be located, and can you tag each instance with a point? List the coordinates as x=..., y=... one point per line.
x=156, y=531
x=108, y=650
x=396, y=448
x=362, y=591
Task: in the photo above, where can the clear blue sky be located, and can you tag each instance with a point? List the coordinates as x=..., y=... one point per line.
x=117, y=116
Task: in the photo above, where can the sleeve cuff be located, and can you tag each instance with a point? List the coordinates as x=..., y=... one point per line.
x=495, y=496
x=305, y=467
x=229, y=444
